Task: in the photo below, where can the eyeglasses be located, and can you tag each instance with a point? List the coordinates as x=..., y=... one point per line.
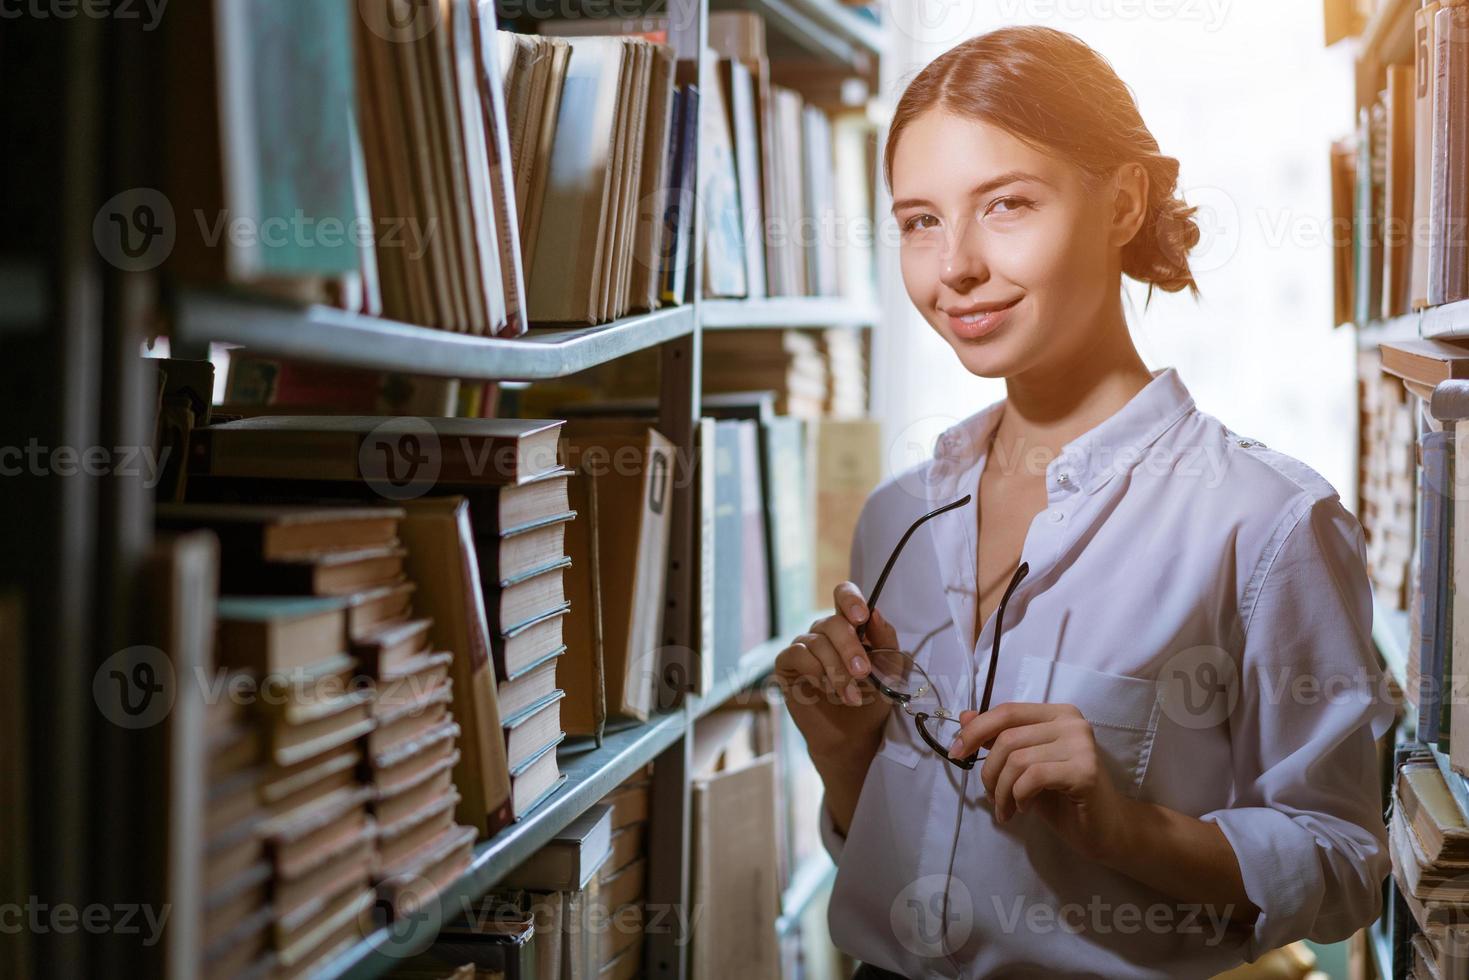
x=897, y=676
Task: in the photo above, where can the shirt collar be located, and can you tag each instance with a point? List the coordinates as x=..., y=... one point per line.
x=1087, y=462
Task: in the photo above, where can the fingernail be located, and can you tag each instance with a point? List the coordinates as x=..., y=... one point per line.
x=853, y=697
x=955, y=746
x=859, y=665
x=856, y=612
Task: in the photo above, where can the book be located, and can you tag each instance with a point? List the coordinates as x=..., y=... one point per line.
x=1397, y=257
x=845, y=458
x=267, y=91
x=678, y=215
x=1425, y=69
x=335, y=573
x=441, y=558
x=397, y=457
x=536, y=779
x=724, y=241
x=532, y=728
x=737, y=86
x=1448, y=247
x=572, y=858
x=528, y=643
x=619, y=567
x=277, y=634
x=1431, y=612
x=531, y=685
x=565, y=283
x=1424, y=361
x=281, y=533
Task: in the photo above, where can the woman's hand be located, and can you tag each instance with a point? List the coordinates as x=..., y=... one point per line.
x=1044, y=758
x=820, y=673
x=840, y=718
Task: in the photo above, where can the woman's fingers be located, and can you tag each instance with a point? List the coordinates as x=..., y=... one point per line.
x=1017, y=764
x=978, y=730
x=843, y=638
x=849, y=603
x=832, y=668
x=1009, y=741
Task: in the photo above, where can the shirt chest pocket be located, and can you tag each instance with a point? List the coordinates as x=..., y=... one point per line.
x=1123, y=712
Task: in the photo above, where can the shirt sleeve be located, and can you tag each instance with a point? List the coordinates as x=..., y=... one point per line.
x=1306, y=816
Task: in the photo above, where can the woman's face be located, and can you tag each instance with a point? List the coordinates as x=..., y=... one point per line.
x=1005, y=250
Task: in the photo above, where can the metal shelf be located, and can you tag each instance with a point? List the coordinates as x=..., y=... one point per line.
x=823, y=28
x=785, y=311
x=754, y=665
x=1447, y=322
x=812, y=877
x=591, y=773
x=354, y=340
x=1457, y=784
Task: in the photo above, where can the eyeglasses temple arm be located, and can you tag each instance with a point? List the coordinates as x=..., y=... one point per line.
x=989, y=681
x=892, y=559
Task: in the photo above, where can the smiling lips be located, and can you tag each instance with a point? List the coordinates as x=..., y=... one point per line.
x=979, y=320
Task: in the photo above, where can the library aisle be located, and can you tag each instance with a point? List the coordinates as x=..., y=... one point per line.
x=427, y=421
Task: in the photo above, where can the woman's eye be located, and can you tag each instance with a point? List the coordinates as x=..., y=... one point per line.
x=1008, y=205
x=920, y=222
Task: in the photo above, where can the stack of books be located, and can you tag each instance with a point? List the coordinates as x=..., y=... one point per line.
x=606, y=156
x=237, y=914
x=318, y=831
x=353, y=676
x=1386, y=495
x=788, y=362
x=847, y=369
x=622, y=879
x=1429, y=844
x=1401, y=183
x=436, y=152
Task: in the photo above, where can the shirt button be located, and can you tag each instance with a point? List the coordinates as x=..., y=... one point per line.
x=1246, y=443
x=1056, y=517
x=1063, y=479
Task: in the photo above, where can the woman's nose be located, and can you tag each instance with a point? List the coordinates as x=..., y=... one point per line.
x=962, y=262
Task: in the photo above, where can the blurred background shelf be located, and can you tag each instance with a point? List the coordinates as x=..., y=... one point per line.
x=325, y=335
x=824, y=28
x=815, y=875
x=782, y=312
x=1390, y=633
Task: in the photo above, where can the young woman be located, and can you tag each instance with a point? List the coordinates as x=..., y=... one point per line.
x=1114, y=711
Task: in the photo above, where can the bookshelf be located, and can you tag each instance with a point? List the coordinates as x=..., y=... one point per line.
x=802, y=311
x=323, y=334
x=1390, y=37
x=822, y=28
x=83, y=558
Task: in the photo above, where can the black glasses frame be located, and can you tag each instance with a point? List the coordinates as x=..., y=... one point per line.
x=920, y=718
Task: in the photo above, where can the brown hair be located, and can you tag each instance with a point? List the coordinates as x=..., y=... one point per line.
x=1049, y=89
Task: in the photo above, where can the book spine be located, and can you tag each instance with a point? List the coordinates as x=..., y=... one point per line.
x=1434, y=448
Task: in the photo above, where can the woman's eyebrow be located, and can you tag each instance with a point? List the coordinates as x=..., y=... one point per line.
x=994, y=183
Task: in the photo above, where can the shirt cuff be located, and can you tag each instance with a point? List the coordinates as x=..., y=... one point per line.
x=1281, y=868
x=831, y=839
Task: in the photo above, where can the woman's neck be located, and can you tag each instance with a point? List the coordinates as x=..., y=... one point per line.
x=1050, y=405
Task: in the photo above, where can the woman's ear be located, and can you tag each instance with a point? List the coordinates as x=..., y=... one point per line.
x=1129, y=203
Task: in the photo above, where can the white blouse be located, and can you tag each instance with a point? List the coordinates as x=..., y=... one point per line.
x=1217, y=635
